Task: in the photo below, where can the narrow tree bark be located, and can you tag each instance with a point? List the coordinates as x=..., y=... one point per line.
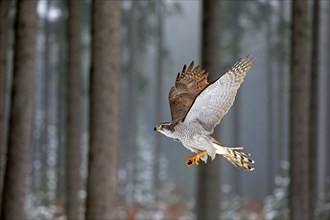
x=159, y=93
x=73, y=112
x=314, y=109
x=3, y=86
x=208, y=185
x=20, y=121
x=4, y=71
x=299, y=189
x=104, y=112
x=327, y=114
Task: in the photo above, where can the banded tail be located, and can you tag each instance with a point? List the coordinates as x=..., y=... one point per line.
x=235, y=156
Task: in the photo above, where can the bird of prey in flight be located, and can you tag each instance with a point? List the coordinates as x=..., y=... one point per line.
x=197, y=106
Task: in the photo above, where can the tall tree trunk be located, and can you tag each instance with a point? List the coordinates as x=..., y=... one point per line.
x=104, y=112
x=159, y=91
x=208, y=185
x=314, y=110
x=298, y=189
x=327, y=127
x=270, y=98
x=73, y=111
x=20, y=121
x=4, y=9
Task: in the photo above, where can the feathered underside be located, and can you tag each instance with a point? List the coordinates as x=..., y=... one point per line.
x=189, y=83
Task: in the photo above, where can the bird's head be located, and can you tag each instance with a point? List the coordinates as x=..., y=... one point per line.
x=164, y=128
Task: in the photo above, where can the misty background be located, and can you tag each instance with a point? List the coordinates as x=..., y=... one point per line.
x=157, y=39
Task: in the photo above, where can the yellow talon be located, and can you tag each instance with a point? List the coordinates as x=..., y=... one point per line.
x=197, y=159
x=194, y=159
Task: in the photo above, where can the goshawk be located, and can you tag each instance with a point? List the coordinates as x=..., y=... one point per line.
x=197, y=107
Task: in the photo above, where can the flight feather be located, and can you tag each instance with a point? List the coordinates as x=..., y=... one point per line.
x=189, y=83
x=215, y=100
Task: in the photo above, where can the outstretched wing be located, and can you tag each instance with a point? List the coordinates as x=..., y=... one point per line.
x=215, y=101
x=189, y=83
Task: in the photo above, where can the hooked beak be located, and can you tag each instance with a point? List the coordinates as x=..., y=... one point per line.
x=157, y=128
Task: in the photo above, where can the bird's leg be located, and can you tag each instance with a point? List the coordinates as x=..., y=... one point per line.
x=194, y=159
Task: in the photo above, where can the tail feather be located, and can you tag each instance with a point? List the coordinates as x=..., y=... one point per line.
x=235, y=156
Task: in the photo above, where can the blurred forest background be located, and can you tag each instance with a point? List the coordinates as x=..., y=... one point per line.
x=83, y=84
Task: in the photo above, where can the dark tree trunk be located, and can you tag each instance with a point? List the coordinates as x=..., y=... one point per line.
x=314, y=109
x=299, y=124
x=208, y=185
x=20, y=121
x=4, y=17
x=327, y=117
x=104, y=112
x=159, y=93
x=73, y=112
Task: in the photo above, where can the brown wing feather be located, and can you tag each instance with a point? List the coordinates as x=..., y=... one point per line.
x=189, y=83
